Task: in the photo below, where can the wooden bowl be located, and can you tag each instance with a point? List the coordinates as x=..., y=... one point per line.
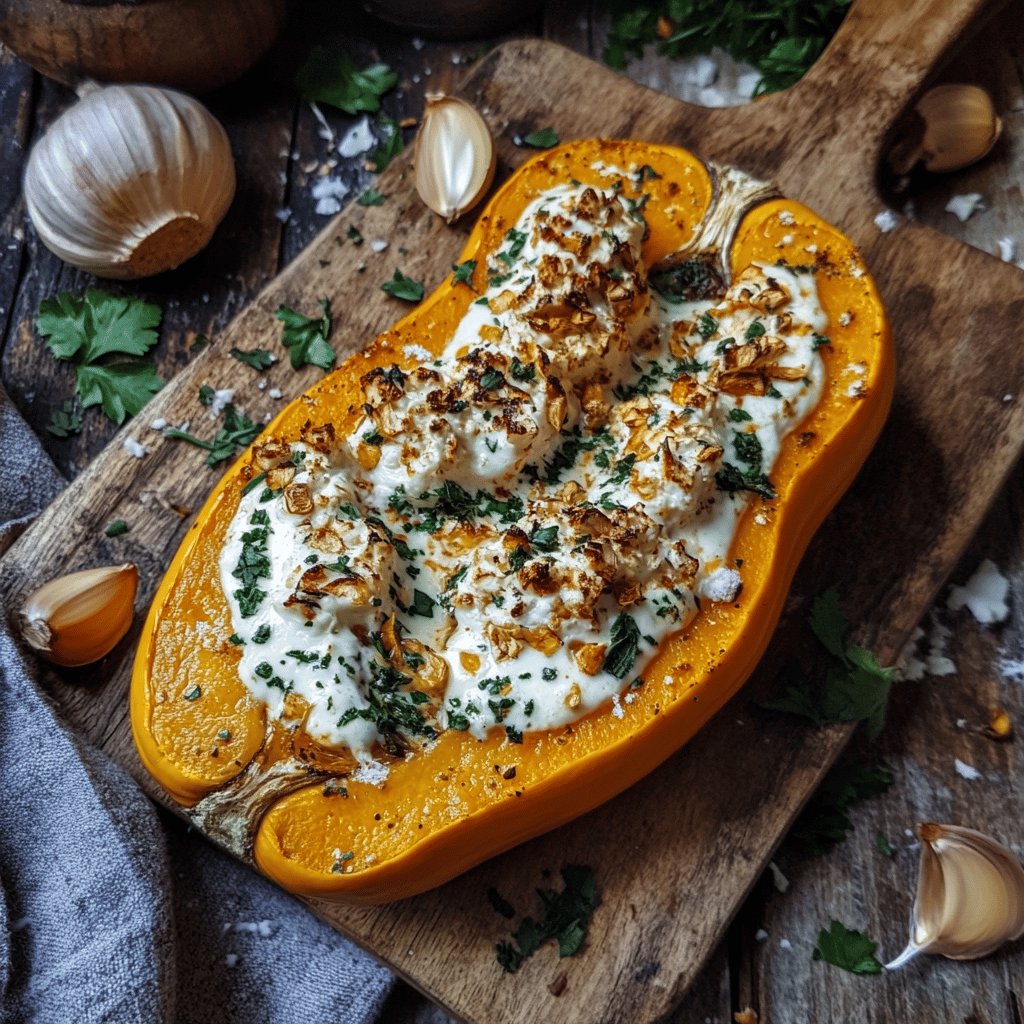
x=195, y=45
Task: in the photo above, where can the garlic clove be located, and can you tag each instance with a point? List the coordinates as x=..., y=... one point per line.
x=79, y=618
x=951, y=127
x=130, y=181
x=970, y=895
x=455, y=158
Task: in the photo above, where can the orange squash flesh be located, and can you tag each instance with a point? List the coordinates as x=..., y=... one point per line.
x=458, y=802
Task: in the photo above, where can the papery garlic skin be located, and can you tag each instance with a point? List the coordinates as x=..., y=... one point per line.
x=455, y=158
x=131, y=181
x=970, y=895
x=77, y=619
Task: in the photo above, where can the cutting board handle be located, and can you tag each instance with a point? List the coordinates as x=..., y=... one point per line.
x=878, y=59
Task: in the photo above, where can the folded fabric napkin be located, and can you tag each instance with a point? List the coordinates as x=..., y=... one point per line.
x=113, y=911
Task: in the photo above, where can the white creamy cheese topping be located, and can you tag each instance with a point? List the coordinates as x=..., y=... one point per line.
x=513, y=528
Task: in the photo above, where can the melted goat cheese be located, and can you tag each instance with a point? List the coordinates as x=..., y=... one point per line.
x=514, y=527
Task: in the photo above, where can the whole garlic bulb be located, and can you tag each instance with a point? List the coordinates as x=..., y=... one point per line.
x=130, y=181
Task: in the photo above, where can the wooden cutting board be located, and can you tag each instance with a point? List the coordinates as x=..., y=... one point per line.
x=675, y=855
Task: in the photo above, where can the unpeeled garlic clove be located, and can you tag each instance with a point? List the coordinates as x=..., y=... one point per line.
x=130, y=181
x=970, y=895
x=78, y=618
x=455, y=156
x=952, y=126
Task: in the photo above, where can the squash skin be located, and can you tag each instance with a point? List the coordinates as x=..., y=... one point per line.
x=448, y=808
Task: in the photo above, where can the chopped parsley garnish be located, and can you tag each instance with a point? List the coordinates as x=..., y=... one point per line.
x=754, y=330
x=237, y=432
x=732, y=479
x=855, y=689
x=706, y=325
x=422, y=605
x=514, y=735
x=262, y=635
x=116, y=528
x=491, y=379
x=522, y=371
x=306, y=338
x=402, y=287
x=518, y=557
x=516, y=240
x=253, y=564
x=687, y=281
x=568, y=452
x=549, y=674
x=542, y=138
x=463, y=272
x=66, y=420
x=303, y=657
x=819, y=341
x=236, y=640
x=373, y=437
x=354, y=236
x=258, y=358
x=371, y=197
x=624, y=646
x=738, y=415
x=623, y=469
x=544, y=538
x=194, y=693
x=566, y=917
x=392, y=145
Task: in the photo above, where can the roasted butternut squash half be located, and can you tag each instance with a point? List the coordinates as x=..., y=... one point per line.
x=495, y=568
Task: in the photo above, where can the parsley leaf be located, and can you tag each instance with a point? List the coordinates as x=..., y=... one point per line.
x=566, y=917
x=306, y=338
x=855, y=689
x=116, y=528
x=824, y=822
x=85, y=329
x=258, y=358
x=392, y=145
x=237, y=431
x=851, y=950
x=402, y=287
x=543, y=138
x=624, y=646
x=545, y=538
x=66, y=420
x=371, y=197
x=464, y=272
x=333, y=78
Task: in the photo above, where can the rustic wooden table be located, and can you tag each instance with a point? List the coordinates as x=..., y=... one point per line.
x=765, y=961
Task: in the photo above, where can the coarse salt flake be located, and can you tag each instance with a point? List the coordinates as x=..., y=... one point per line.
x=887, y=220
x=721, y=585
x=966, y=771
x=786, y=218
x=780, y=881
x=984, y=594
x=378, y=245
x=1007, y=249
x=358, y=139
x=964, y=206
x=617, y=709
x=134, y=448
x=760, y=935
x=275, y=393
x=158, y=424
x=222, y=397
x=785, y=944
x=230, y=959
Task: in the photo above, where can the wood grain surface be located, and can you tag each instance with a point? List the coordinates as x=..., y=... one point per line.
x=676, y=855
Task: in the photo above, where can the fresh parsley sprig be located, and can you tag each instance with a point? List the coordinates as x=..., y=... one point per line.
x=92, y=331
x=332, y=77
x=855, y=688
x=846, y=948
x=307, y=338
x=781, y=38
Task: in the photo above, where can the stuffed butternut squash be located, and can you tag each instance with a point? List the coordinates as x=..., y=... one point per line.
x=497, y=567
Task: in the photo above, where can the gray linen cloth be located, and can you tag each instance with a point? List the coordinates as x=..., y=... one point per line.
x=111, y=910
